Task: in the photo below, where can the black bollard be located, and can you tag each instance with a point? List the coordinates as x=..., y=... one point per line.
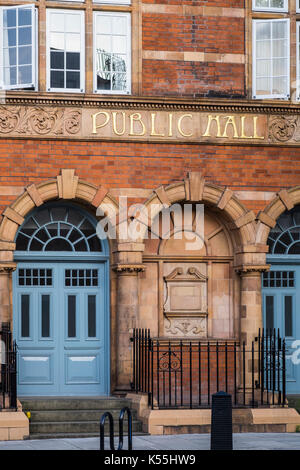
x=221, y=422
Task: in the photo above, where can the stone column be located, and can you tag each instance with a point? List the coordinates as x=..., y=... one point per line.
x=251, y=319
x=6, y=314
x=128, y=267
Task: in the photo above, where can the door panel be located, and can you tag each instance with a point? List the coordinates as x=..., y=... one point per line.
x=280, y=297
x=60, y=329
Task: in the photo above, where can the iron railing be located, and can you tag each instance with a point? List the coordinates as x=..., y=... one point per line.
x=185, y=374
x=8, y=364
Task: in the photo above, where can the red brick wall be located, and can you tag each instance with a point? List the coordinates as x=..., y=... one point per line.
x=144, y=165
x=198, y=33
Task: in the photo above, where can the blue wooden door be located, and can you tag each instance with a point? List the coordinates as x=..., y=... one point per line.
x=60, y=324
x=281, y=299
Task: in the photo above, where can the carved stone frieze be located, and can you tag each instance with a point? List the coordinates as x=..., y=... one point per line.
x=186, y=327
x=282, y=128
x=39, y=121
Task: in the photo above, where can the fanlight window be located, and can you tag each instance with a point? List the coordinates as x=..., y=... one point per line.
x=284, y=239
x=58, y=229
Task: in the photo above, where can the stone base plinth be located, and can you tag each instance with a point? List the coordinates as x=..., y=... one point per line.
x=199, y=421
x=14, y=425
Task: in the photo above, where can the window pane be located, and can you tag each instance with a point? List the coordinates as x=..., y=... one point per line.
x=10, y=76
x=25, y=321
x=57, y=59
x=10, y=37
x=9, y=18
x=45, y=316
x=10, y=56
x=91, y=316
x=57, y=79
x=24, y=74
x=24, y=36
x=269, y=312
x=25, y=54
x=73, y=61
x=288, y=315
x=71, y=316
x=24, y=17
x=73, y=80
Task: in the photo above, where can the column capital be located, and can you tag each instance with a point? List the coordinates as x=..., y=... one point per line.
x=251, y=269
x=7, y=268
x=129, y=268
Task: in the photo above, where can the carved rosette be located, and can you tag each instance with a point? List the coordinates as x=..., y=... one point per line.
x=39, y=121
x=282, y=128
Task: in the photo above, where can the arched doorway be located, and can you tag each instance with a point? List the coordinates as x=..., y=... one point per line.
x=281, y=287
x=61, y=303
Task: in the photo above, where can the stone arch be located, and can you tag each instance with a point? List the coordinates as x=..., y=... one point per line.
x=284, y=200
x=238, y=219
x=66, y=186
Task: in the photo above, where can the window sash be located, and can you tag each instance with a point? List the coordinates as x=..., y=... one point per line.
x=64, y=89
x=271, y=76
x=127, y=53
x=34, y=50
x=285, y=8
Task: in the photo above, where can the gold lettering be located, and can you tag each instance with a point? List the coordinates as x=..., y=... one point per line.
x=94, y=120
x=180, y=123
x=138, y=118
x=255, y=136
x=114, y=115
x=170, y=125
x=243, y=135
x=153, y=117
x=231, y=120
x=210, y=120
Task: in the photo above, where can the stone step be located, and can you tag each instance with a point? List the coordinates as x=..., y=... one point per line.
x=236, y=428
x=69, y=403
x=74, y=415
x=78, y=427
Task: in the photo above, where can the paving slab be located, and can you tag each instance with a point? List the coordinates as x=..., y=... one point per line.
x=245, y=441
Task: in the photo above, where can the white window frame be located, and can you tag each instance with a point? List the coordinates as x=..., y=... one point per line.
x=271, y=9
x=111, y=2
x=297, y=59
x=34, y=46
x=82, y=51
x=278, y=96
x=113, y=92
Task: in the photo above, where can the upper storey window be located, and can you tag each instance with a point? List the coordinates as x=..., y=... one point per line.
x=271, y=53
x=18, y=47
x=112, y=47
x=65, y=50
x=270, y=5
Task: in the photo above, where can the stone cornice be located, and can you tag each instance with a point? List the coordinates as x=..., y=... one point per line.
x=251, y=269
x=148, y=103
x=129, y=268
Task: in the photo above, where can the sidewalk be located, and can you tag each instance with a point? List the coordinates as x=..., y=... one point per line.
x=245, y=441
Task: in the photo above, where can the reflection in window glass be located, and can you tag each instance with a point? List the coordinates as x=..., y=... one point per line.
x=112, y=49
x=270, y=5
